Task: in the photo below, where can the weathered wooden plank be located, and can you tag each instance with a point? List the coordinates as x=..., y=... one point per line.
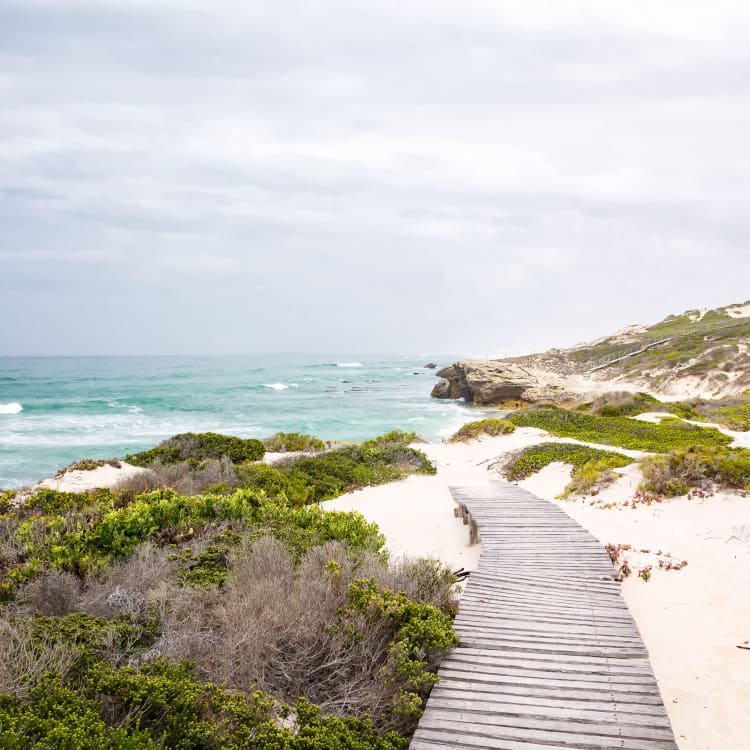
x=581, y=740
x=437, y=740
x=572, y=712
x=544, y=682
x=480, y=640
x=503, y=666
x=573, y=661
x=613, y=730
x=481, y=627
x=523, y=703
x=503, y=671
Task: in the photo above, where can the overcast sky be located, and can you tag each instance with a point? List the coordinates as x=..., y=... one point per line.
x=472, y=178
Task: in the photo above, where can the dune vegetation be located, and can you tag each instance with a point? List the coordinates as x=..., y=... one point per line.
x=682, y=470
x=591, y=467
x=619, y=431
x=300, y=479
x=481, y=428
x=241, y=617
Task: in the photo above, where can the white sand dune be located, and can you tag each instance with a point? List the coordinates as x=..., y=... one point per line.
x=75, y=480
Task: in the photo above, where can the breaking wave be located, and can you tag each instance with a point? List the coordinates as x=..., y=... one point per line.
x=12, y=408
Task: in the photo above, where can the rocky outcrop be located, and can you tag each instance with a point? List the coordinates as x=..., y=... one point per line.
x=699, y=354
x=487, y=382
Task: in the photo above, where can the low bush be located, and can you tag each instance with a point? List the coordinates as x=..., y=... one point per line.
x=385, y=459
x=618, y=431
x=25, y=657
x=592, y=467
x=89, y=464
x=191, y=446
x=397, y=437
x=297, y=479
x=681, y=470
x=732, y=411
x=82, y=542
x=334, y=625
x=626, y=404
x=288, y=442
x=163, y=705
x=275, y=483
x=330, y=626
x=474, y=430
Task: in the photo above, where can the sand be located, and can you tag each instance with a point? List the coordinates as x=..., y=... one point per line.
x=78, y=481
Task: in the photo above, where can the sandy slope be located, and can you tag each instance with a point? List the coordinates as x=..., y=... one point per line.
x=79, y=481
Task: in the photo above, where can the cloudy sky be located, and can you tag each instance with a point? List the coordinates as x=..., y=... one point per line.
x=367, y=176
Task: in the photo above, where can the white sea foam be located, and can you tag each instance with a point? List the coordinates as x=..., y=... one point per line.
x=276, y=386
x=349, y=364
x=12, y=408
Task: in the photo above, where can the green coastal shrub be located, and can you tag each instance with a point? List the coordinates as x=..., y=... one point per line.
x=534, y=458
x=297, y=479
x=163, y=705
x=681, y=470
x=385, y=459
x=618, y=431
x=732, y=412
x=372, y=649
x=423, y=635
x=191, y=446
x=397, y=437
x=478, y=428
x=288, y=442
x=592, y=467
x=276, y=483
x=83, y=541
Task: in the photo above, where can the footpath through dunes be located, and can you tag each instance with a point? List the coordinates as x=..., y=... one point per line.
x=550, y=656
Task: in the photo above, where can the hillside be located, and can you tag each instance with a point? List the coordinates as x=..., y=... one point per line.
x=698, y=354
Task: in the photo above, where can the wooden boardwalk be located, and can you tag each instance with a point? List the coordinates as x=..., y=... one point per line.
x=550, y=656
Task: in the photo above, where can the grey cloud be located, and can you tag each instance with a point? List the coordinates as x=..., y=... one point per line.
x=384, y=177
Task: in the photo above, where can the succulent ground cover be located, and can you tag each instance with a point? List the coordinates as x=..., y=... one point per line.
x=687, y=457
x=592, y=467
x=482, y=427
x=618, y=431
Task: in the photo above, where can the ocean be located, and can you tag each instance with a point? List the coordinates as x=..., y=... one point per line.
x=54, y=411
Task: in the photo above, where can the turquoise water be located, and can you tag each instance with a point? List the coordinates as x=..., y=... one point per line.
x=54, y=411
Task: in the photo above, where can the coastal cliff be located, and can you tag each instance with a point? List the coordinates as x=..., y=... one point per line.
x=498, y=383
x=702, y=354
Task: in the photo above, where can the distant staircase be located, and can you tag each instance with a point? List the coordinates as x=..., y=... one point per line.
x=640, y=347
x=631, y=352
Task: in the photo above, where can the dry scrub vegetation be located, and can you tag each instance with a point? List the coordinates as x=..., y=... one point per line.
x=224, y=620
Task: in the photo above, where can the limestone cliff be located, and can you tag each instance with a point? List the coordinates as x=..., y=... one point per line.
x=699, y=354
x=498, y=383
